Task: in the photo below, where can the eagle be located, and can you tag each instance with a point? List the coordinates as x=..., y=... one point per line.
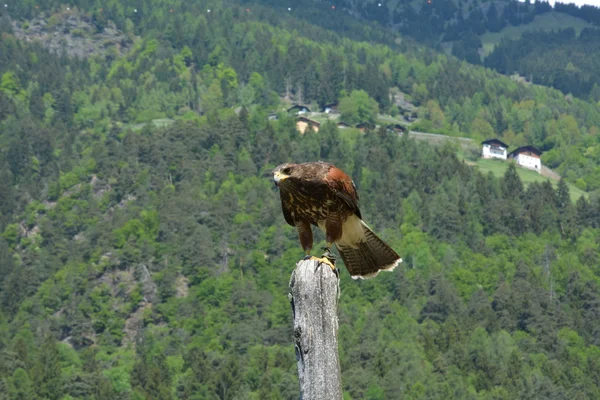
x=320, y=194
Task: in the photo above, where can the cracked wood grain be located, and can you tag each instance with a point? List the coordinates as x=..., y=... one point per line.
x=314, y=294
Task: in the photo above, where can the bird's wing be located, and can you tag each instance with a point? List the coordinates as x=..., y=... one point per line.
x=343, y=186
x=285, y=207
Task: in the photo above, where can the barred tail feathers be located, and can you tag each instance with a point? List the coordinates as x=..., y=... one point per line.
x=363, y=252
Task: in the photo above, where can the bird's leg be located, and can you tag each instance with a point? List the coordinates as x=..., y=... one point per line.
x=307, y=256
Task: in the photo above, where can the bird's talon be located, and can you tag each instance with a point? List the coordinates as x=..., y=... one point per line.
x=325, y=260
x=329, y=261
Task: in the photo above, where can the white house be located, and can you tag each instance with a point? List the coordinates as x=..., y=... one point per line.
x=494, y=148
x=528, y=157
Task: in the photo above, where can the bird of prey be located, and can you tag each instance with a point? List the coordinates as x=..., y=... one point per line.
x=320, y=194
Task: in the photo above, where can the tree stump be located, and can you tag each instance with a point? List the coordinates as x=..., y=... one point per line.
x=314, y=294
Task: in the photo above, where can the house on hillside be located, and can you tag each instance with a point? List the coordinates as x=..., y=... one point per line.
x=330, y=108
x=303, y=123
x=410, y=116
x=298, y=109
x=494, y=148
x=343, y=125
x=396, y=128
x=528, y=157
x=365, y=126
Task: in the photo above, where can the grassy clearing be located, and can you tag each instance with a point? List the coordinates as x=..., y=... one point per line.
x=546, y=22
x=159, y=123
x=321, y=118
x=498, y=168
x=384, y=119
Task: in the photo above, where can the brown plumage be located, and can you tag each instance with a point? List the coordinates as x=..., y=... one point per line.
x=320, y=194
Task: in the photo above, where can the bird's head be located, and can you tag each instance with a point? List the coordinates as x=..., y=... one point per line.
x=283, y=172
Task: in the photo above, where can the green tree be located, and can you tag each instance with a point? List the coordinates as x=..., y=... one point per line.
x=46, y=370
x=563, y=196
x=20, y=386
x=482, y=128
x=444, y=219
x=212, y=100
x=9, y=84
x=512, y=186
x=358, y=107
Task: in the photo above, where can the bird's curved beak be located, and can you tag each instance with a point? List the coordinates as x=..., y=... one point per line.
x=278, y=177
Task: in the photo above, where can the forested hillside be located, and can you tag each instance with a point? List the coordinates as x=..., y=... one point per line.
x=143, y=254
x=188, y=55
x=464, y=28
x=561, y=59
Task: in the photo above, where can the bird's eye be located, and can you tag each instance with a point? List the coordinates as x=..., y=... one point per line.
x=287, y=170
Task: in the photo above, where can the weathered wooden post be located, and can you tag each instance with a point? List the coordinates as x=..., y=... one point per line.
x=314, y=294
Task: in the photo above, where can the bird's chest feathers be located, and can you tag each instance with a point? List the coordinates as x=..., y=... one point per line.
x=314, y=206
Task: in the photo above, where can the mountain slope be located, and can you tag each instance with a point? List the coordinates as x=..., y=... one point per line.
x=551, y=21
x=154, y=263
